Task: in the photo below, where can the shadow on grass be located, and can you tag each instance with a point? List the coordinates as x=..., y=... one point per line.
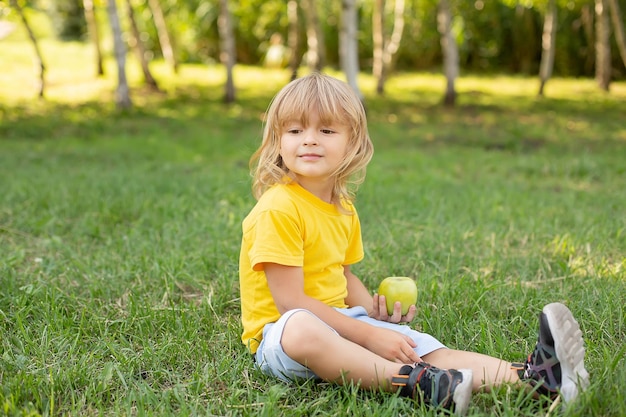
x=405, y=118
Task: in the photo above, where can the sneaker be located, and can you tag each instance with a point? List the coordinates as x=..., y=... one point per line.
x=449, y=389
x=557, y=363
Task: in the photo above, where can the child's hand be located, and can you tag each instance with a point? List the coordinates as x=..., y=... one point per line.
x=392, y=345
x=379, y=311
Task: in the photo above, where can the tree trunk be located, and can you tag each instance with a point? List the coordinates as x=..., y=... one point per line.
x=164, y=36
x=618, y=27
x=348, y=44
x=94, y=34
x=603, y=46
x=38, y=57
x=525, y=41
x=587, y=17
x=548, y=42
x=392, y=45
x=140, y=49
x=293, y=38
x=315, y=55
x=227, y=46
x=378, y=39
x=122, y=93
x=450, y=51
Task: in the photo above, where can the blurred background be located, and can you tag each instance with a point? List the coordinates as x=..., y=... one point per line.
x=565, y=38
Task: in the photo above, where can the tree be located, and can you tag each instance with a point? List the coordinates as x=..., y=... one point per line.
x=603, y=46
x=378, y=38
x=165, y=39
x=391, y=45
x=315, y=54
x=227, y=53
x=293, y=38
x=122, y=93
x=450, y=51
x=548, y=42
x=587, y=18
x=94, y=33
x=139, y=48
x=618, y=26
x=348, y=44
x=39, y=59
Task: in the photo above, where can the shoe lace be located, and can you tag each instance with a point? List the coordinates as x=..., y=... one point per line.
x=543, y=370
x=436, y=386
x=428, y=383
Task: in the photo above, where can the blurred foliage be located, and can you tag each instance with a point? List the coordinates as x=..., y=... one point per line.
x=68, y=18
x=493, y=35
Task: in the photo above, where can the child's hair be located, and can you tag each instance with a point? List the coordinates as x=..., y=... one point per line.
x=334, y=101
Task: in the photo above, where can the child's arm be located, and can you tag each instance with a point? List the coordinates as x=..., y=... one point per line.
x=376, y=306
x=286, y=284
x=358, y=295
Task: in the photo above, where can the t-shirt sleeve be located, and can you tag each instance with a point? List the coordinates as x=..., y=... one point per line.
x=277, y=239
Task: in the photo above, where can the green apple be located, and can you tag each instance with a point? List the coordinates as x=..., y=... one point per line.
x=401, y=289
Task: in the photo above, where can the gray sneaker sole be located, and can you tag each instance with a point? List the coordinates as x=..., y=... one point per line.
x=463, y=393
x=570, y=350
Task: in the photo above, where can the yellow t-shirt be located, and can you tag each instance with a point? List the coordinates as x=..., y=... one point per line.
x=290, y=226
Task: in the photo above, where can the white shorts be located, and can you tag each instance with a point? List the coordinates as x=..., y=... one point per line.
x=273, y=360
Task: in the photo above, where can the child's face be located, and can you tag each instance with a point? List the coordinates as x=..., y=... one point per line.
x=315, y=151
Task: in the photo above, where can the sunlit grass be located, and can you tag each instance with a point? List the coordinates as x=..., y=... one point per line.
x=119, y=234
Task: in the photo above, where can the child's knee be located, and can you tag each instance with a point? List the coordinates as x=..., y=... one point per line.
x=303, y=331
x=296, y=327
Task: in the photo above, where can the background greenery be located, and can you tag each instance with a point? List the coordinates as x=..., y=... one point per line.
x=119, y=235
x=493, y=36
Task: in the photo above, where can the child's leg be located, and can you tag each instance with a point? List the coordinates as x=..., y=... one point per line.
x=308, y=340
x=556, y=365
x=487, y=371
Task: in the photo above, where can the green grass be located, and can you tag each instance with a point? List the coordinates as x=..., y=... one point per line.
x=119, y=235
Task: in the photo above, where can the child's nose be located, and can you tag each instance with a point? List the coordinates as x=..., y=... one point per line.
x=310, y=137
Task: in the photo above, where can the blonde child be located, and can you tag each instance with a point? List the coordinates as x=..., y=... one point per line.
x=305, y=314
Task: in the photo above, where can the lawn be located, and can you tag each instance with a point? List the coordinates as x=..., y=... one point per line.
x=119, y=235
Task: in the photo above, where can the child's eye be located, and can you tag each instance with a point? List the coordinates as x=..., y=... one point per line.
x=294, y=131
x=327, y=131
